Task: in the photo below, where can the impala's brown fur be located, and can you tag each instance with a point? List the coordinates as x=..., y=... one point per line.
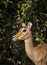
x=37, y=54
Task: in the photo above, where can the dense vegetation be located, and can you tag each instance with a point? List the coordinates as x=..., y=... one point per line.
x=11, y=13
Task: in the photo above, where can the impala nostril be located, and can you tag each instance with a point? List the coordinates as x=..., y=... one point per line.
x=13, y=37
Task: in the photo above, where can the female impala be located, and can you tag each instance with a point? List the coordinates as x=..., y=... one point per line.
x=37, y=54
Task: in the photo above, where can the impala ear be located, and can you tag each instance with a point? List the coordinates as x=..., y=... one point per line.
x=23, y=24
x=29, y=25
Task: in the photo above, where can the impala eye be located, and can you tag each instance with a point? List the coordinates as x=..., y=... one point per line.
x=24, y=30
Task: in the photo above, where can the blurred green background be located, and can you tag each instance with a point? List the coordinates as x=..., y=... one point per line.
x=11, y=13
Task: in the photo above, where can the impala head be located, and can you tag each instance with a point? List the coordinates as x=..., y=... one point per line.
x=23, y=33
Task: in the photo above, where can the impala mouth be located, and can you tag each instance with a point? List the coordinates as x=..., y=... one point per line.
x=14, y=39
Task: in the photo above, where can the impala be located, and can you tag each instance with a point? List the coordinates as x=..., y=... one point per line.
x=37, y=54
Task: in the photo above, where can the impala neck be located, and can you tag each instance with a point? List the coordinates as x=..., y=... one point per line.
x=29, y=43
x=29, y=47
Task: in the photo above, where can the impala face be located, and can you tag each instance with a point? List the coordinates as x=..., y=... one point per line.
x=23, y=33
